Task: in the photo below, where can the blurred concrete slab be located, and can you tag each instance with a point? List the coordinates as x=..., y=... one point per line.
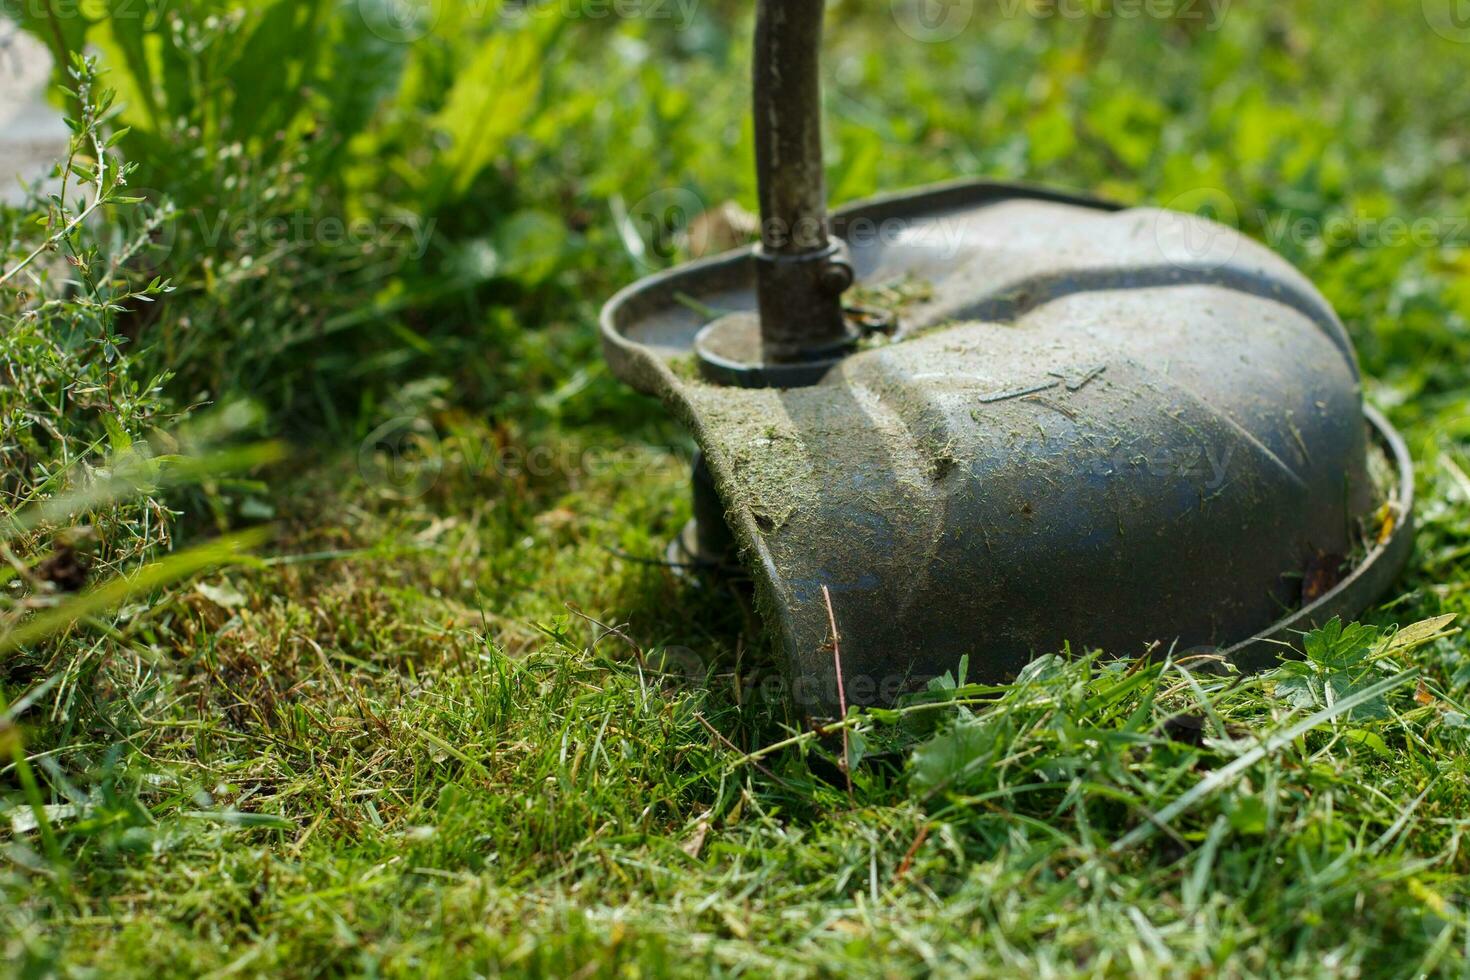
x=32, y=135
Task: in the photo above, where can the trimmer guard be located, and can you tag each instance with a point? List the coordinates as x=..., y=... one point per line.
x=1092, y=428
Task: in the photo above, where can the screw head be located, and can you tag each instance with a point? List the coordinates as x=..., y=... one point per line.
x=837, y=278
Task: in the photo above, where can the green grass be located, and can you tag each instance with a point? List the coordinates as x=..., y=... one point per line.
x=458, y=730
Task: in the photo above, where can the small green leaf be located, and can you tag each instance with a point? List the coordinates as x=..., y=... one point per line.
x=1337, y=646
x=1371, y=740
x=117, y=437
x=1418, y=634
x=949, y=757
x=857, y=748
x=1248, y=813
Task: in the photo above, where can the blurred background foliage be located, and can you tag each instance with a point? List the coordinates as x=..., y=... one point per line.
x=483, y=143
x=340, y=212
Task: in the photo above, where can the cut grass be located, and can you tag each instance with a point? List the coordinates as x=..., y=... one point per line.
x=362, y=767
x=391, y=746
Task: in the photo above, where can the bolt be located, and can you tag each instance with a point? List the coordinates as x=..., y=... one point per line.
x=836, y=278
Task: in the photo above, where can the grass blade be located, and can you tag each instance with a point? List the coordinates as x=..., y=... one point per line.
x=1222, y=777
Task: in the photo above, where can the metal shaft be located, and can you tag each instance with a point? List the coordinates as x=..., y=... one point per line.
x=801, y=273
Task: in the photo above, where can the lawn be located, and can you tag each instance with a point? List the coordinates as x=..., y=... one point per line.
x=334, y=633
